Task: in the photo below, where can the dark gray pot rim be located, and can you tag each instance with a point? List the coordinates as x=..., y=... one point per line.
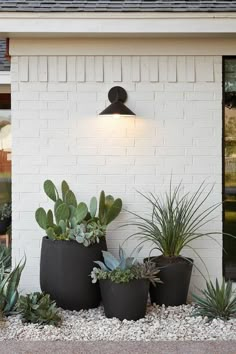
x=70, y=242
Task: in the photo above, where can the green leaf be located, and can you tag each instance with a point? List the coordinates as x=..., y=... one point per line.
x=51, y=190
x=81, y=212
x=70, y=199
x=62, y=212
x=41, y=218
x=50, y=221
x=93, y=207
x=64, y=188
x=101, y=212
x=50, y=233
x=56, y=205
x=114, y=211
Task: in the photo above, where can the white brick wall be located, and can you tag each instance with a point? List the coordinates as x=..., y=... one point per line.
x=57, y=135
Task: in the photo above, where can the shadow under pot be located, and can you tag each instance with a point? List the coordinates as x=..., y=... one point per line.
x=175, y=274
x=4, y=224
x=65, y=268
x=125, y=301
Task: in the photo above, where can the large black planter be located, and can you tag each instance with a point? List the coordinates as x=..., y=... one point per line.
x=125, y=300
x=4, y=224
x=65, y=267
x=175, y=273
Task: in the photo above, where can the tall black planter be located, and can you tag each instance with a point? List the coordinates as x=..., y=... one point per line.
x=125, y=300
x=175, y=273
x=4, y=224
x=65, y=267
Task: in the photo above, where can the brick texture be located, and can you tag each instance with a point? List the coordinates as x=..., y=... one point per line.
x=58, y=135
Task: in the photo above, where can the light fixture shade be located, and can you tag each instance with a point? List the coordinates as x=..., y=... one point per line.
x=117, y=96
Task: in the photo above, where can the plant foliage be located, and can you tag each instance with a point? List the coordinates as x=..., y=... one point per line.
x=216, y=301
x=9, y=282
x=5, y=211
x=124, y=269
x=5, y=258
x=71, y=220
x=38, y=308
x=175, y=221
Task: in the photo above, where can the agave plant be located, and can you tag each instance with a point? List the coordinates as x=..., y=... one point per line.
x=38, y=308
x=64, y=223
x=9, y=288
x=5, y=258
x=216, y=301
x=176, y=220
x=124, y=269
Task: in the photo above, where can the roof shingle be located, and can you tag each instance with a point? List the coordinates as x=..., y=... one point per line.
x=117, y=5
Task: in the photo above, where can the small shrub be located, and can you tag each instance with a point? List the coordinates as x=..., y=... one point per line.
x=38, y=308
x=217, y=301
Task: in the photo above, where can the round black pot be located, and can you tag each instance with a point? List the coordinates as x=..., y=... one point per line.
x=125, y=300
x=4, y=224
x=65, y=267
x=175, y=273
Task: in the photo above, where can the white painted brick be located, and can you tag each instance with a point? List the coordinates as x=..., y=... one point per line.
x=177, y=132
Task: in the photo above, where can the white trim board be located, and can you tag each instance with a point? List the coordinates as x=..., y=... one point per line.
x=110, y=24
x=5, y=77
x=122, y=46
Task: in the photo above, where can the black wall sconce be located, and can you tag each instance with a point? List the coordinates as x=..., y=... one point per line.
x=117, y=96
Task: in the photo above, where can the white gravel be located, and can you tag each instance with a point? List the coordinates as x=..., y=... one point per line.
x=160, y=323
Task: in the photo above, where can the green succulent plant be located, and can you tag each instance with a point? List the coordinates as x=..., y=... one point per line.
x=5, y=258
x=124, y=269
x=38, y=308
x=71, y=220
x=9, y=283
x=217, y=301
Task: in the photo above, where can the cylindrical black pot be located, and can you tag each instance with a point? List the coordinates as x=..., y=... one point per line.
x=125, y=300
x=175, y=273
x=65, y=267
x=4, y=224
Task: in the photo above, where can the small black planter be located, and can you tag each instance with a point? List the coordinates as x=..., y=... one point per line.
x=65, y=267
x=125, y=300
x=4, y=225
x=175, y=273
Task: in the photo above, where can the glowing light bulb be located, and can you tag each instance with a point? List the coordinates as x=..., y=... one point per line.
x=116, y=116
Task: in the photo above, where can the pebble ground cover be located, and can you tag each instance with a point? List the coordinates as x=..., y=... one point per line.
x=160, y=323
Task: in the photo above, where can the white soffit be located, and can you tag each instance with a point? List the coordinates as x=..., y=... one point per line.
x=116, y=24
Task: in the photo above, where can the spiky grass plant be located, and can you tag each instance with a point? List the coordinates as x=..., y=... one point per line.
x=175, y=221
x=216, y=301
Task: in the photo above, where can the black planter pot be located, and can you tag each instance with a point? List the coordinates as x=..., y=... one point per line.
x=175, y=273
x=125, y=300
x=4, y=224
x=65, y=267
